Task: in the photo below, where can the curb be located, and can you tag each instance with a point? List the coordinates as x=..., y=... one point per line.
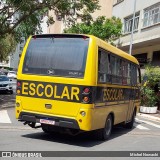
x=4, y=107
x=149, y=116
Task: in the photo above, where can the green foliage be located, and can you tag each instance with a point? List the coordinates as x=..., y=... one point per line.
x=149, y=97
x=152, y=74
x=7, y=45
x=27, y=16
x=152, y=78
x=106, y=29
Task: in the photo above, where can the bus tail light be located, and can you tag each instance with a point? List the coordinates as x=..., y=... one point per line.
x=18, y=87
x=86, y=90
x=18, y=91
x=18, y=84
x=86, y=95
x=86, y=99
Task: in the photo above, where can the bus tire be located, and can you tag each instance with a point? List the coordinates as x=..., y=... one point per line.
x=104, y=133
x=130, y=124
x=11, y=92
x=45, y=128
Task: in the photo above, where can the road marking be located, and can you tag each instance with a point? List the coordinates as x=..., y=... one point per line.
x=141, y=127
x=147, y=122
x=4, y=118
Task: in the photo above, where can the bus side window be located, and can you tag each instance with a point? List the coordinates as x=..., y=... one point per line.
x=128, y=73
x=124, y=72
x=138, y=75
x=103, y=66
x=113, y=66
x=118, y=71
x=134, y=75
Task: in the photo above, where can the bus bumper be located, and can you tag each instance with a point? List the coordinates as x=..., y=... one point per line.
x=58, y=121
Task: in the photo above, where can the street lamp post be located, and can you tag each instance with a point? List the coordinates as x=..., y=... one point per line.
x=131, y=40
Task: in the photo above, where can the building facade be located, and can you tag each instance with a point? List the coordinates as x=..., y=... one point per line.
x=146, y=35
x=59, y=25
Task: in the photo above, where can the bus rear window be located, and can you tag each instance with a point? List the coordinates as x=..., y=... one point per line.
x=65, y=57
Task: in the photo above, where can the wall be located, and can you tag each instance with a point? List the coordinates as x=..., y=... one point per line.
x=105, y=10
x=145, y=40
x=125, y=9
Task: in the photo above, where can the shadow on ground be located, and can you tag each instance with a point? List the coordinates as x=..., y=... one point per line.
x=86, y=139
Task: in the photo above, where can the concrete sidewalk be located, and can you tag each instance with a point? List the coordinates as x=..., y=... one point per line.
x=155, y=116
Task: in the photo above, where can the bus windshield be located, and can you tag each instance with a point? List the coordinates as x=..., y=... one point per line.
x=56, y=56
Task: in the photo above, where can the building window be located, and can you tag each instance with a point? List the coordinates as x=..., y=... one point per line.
x=156, y=58
x=151, y=15
x=117, y=2
x=142, y=59
x=128, y=23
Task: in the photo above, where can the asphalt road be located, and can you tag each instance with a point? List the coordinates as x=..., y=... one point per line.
x=14, y=136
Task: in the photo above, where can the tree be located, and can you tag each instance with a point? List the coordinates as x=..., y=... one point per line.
x=104, y=28
x=27, y=16
x=7, y=45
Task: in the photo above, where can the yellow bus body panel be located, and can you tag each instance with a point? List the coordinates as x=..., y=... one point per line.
x=60, y=108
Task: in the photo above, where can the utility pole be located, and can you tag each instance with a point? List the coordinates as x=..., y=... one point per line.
x=131, y=40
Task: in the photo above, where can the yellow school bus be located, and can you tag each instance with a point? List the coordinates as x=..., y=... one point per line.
x=75, y=83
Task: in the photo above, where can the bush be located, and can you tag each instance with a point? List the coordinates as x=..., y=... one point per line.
x=149, y=92
x=149, y=97
x=152, y=74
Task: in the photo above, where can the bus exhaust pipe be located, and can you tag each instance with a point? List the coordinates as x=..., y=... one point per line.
x=32, y=125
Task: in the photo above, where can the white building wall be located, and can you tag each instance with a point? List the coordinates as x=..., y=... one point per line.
x=44, y=25
x=125, y=9
x=145, y=40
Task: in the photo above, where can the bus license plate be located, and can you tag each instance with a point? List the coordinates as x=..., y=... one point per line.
x=46, y=121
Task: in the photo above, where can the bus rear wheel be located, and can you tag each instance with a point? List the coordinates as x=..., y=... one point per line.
x=45, y=128
x=104, y=134
x=130, y=124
